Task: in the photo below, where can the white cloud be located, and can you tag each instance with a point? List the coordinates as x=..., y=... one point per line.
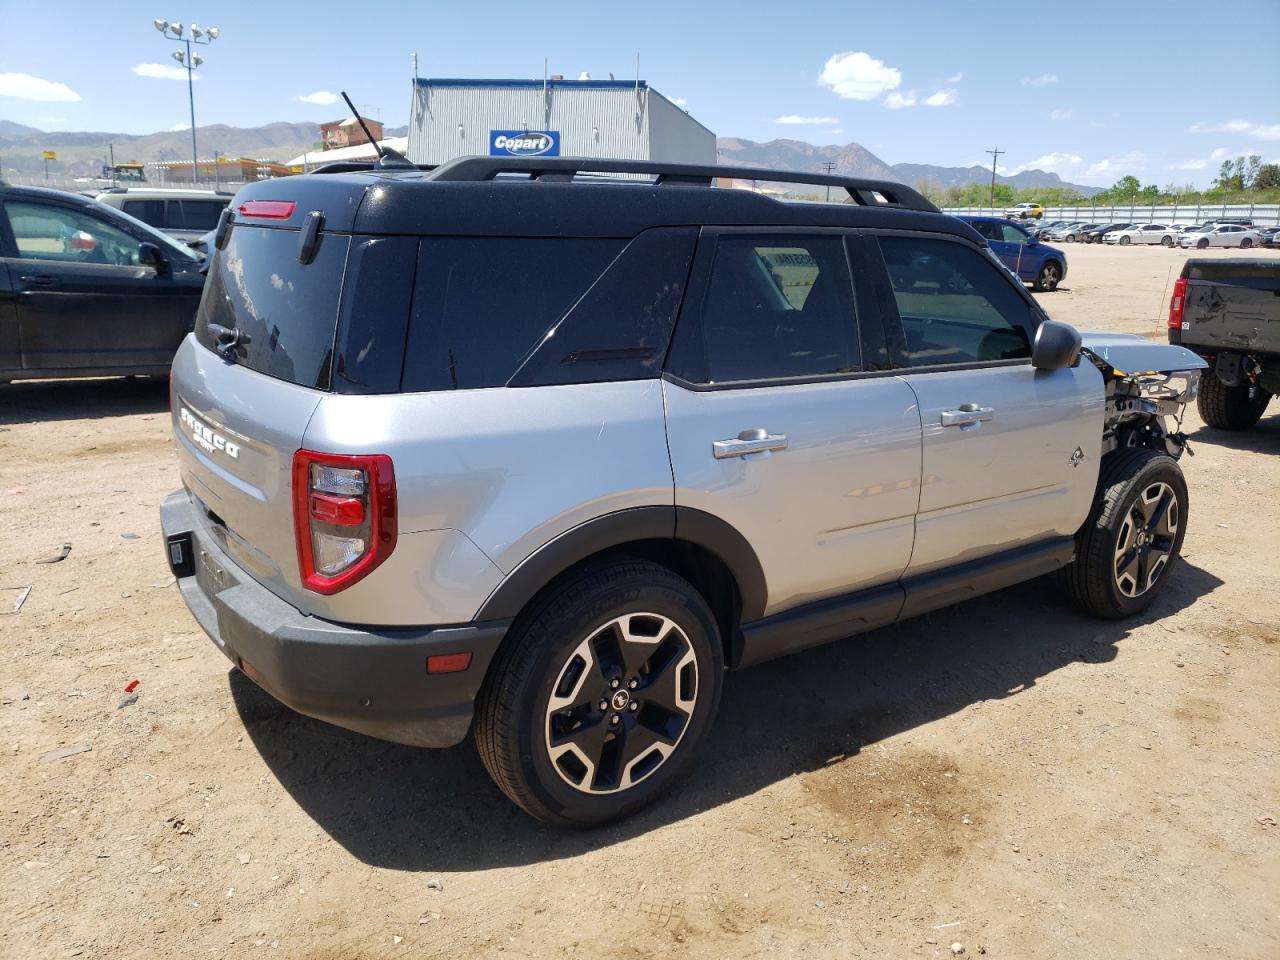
x=792, y=118
x=943, y=98
x=834, y=131
x=1134, y=161
x=1052, y=162
x=1189, y=165
x=896, y=101
x=679, y=101
x=1220, y=154
x=179, y=126
x=321, y=97
x=1041, y=81
x=1062, y=113
x=162, y=71
x=1259, y=131
x=23, y=86
x=859, y=76
x=954, y=78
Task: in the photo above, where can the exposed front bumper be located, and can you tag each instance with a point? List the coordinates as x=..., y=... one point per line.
x=370, y=680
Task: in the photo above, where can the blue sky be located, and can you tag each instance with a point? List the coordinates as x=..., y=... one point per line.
x=911, y=81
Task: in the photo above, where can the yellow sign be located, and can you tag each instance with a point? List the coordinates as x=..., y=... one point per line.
x=51, y=154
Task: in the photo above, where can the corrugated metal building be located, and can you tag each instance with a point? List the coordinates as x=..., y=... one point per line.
x=623, y=119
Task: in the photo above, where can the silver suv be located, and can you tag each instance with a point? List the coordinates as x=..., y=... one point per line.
x=521, y=448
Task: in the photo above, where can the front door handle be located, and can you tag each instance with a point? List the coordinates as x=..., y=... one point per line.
x=39, y=280
x=757, y=440
x=968, y=414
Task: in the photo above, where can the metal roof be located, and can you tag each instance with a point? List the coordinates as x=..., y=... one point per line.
x=528, y=84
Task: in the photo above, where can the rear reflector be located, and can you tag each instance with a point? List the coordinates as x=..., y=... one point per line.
x=247, y=669
x=344, y=511
x=448, y=662
x=268, y=209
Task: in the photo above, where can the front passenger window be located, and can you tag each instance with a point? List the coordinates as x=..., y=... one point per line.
x=48, y=232
x=955, y=304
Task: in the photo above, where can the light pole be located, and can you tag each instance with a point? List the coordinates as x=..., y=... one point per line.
x=190, y=60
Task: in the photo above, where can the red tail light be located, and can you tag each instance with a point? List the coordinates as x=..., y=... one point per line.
x=344, y=515
x=1177, y=303
x=268, y=209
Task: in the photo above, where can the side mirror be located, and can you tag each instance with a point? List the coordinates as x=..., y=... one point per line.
x=149, y=255
x=1031, y=241
x=1057, y=346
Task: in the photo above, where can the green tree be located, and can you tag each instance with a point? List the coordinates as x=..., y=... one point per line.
x=1267, y=177
x=1251, y=167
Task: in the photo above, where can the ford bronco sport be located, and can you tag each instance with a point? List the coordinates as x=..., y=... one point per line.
x=523, y=448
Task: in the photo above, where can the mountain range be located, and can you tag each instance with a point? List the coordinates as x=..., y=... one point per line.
x=82, y=153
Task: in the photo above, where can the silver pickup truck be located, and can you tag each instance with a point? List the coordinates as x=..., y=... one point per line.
x=1228, y=312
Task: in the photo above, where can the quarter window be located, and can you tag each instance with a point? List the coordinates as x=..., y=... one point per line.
x=776, y=308
x=955, y=304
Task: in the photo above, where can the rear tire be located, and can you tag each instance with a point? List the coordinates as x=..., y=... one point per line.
x=555, y=723
x=1166, y=241
x=1133, y=536
x=1230, y=408
x=1246, y=243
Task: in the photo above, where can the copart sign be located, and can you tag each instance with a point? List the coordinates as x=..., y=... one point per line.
x=524, y=143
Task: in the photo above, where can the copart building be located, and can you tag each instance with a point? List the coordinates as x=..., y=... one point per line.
x=622, y=119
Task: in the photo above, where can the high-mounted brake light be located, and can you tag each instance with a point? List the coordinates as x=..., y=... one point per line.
x=1177, y=303
x=344, y=514
x=268, y=209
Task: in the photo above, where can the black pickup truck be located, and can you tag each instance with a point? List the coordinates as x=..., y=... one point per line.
x=1228, y=312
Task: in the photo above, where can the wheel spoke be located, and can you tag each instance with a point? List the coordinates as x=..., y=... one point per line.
x=1158, y=514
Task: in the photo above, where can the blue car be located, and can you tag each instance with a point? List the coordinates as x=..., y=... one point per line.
x=1031, y=261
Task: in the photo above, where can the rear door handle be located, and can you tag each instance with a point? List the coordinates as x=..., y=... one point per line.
x=39, y=280
x=757, y=440
x=969, y=413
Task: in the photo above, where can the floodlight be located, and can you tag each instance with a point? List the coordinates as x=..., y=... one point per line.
x=213, y=33
x=177, y=55
x=176, y=28
x=161, y=25
x=196, y=59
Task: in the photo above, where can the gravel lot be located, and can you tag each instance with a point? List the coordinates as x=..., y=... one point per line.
x=1007, y=775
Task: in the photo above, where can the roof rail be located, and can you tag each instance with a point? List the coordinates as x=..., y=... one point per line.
x=870, y=193
x=359, y=166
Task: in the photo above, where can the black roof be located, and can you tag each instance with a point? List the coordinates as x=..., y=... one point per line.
x=537, y=197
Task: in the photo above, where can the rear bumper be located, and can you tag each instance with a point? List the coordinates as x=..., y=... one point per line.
x=373, y=681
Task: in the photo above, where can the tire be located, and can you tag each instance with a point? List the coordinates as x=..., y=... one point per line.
x=1070, y=238
x=1202, y=244
x=1166, y=241
x=1246, y=243
x=1133, y=535
x=1048, y=278
x=1124, y=241
x=639, y=633
x=1229, y=408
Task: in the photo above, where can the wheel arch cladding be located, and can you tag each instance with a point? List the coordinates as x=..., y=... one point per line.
x=704, y=549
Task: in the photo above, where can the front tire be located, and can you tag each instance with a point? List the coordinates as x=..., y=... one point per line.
x=1048, y=278
x=1246, y=243
x=1202, y=244
x=601, y=695
x=1230, y=408
x=1124, y=241
x=1133, y=536
x=1166, y=241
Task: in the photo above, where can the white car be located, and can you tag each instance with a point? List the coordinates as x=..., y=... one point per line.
x=1219, y=235
x=1144, y=233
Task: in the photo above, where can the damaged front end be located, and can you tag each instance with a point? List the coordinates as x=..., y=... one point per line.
x=1148, y=388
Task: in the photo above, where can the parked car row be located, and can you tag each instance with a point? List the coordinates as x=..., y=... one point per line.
x=1222, y=232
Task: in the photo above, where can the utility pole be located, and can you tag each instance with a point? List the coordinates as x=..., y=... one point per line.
x=828, y=166
x=995, y=155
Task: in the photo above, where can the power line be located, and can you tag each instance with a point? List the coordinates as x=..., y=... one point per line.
x=995, y=155
x=828, y=166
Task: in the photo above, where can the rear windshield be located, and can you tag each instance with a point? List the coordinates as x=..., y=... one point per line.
x=286, y=312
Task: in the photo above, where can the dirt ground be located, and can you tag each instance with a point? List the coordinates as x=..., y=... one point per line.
x=1007, y=775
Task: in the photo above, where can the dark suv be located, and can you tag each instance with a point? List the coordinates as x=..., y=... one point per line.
x=508, y=444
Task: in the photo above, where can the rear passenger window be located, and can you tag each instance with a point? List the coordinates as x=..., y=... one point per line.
x=956, y=305
x=776, y=308
x=481, y=304
x=198, y=214
x=148, y=211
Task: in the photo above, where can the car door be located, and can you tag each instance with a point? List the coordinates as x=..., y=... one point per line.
x=785, y=421
x=1010, y=453
x=1014, y=253
x=84, y=299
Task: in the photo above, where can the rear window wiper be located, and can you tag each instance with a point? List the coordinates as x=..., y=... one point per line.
x=229, y=340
